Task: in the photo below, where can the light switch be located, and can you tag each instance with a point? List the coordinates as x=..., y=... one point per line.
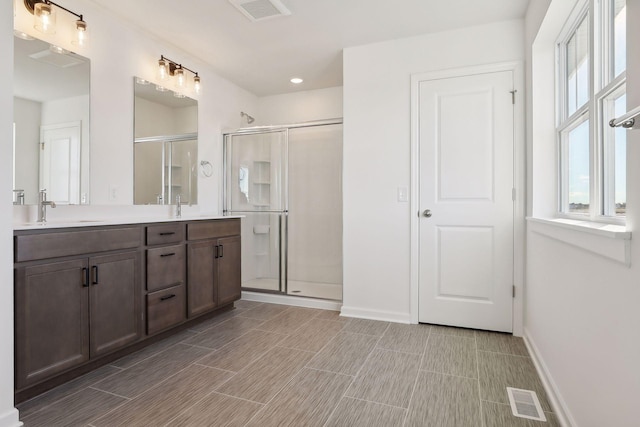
x=403, y=194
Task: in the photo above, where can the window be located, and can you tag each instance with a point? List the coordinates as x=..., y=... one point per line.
x=590, y=92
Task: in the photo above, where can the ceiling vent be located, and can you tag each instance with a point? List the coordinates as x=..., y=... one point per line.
x=61, y=60
x=260, y=10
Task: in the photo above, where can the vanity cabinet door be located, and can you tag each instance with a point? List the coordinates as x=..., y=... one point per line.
x=51, y=316
x=202, y=275
x=115, y=301
x=228, y=260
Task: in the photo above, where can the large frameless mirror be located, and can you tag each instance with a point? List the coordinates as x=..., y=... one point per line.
x=50, y=123
x=165, y=146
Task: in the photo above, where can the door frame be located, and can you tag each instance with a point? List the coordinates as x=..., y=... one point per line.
x=516, y=67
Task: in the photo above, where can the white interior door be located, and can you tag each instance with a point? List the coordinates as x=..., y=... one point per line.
x=466, y=181
x=60, y=162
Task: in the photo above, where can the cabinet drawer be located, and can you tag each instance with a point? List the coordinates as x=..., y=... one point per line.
x=166, y=266
x=165, y=233
x=213, y=229
x=30, y=247
x=166, y=308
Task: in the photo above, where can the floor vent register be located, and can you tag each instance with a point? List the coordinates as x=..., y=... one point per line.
x=525, y=404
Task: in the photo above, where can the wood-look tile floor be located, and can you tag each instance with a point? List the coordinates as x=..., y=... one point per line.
x=273, y=365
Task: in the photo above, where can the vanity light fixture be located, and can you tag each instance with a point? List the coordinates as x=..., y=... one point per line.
x=168, y=69
x=44, y=15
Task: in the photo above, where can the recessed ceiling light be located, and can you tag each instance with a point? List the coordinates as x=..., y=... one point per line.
x=296, y=80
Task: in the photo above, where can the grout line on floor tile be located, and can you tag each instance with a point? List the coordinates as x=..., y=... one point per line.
x=397, y=351
x=329, y=372
x=186, y=409
x=447, y=374
x=377, y=403
x=505, y=354
x=344, y=394
x=108, y=392
x=111, y=410
x=415, y=381
x=241, y=398
x=115, y=367
x=293, y=348
x=478, y=380
x=275, y=395
x=213, y=367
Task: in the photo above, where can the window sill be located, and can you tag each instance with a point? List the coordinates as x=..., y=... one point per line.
x=608, y=240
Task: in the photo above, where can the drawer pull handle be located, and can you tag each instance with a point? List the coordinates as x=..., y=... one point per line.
x=167, y=297
x=221, y=251
x=85, y=277
x=169, y=254
x=94, y=274
x=167, y=233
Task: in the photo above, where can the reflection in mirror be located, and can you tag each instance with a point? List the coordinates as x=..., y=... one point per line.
x=51, y=123
x=166, y=146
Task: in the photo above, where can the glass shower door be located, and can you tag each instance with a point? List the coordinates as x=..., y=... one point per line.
x=255, y=173
x=314, y=237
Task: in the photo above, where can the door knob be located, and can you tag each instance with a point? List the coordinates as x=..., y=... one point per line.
x=427, y=213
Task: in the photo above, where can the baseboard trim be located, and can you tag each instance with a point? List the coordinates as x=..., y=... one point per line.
x=387, y=316
x=291, y=300
x=10, y=418
x=560, y=408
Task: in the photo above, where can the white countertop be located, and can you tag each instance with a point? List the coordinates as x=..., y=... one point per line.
x=68, y=223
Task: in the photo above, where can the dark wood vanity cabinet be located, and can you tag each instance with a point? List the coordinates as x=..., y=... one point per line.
x=213, y=260
x=166, y=276
x=51, y=320
x=67, y=312
x=85, y=295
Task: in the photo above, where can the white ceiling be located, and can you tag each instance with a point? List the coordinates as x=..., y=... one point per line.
x=40, y=81
x=262, y=56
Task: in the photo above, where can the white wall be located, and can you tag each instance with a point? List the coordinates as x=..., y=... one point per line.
x=582, y=313
x=118, y=52
x=8, y=414
x=27, y=120
x=298, y=107
x=377, y=145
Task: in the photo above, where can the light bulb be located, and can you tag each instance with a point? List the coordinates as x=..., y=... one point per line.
x=44, y=18
x=80, y=37
x=180, y=80
x=196, y=84
x=163, y=69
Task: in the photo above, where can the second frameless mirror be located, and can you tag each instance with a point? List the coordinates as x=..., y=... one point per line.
x=165, y=146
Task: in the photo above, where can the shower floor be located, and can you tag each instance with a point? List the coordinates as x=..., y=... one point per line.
x=330, y=291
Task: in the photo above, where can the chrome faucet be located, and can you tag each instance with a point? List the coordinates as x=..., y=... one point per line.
x=18, y=197
x=42, y=206
x=178, y=207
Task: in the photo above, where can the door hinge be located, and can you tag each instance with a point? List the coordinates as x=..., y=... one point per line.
x=513, y=194
x=513, y=96
x=513, y=291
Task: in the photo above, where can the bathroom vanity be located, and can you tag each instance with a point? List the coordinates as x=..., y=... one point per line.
x=87, y=294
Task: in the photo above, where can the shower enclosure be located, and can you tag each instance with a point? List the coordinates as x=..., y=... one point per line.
x=164, y=167
x=287, y=182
